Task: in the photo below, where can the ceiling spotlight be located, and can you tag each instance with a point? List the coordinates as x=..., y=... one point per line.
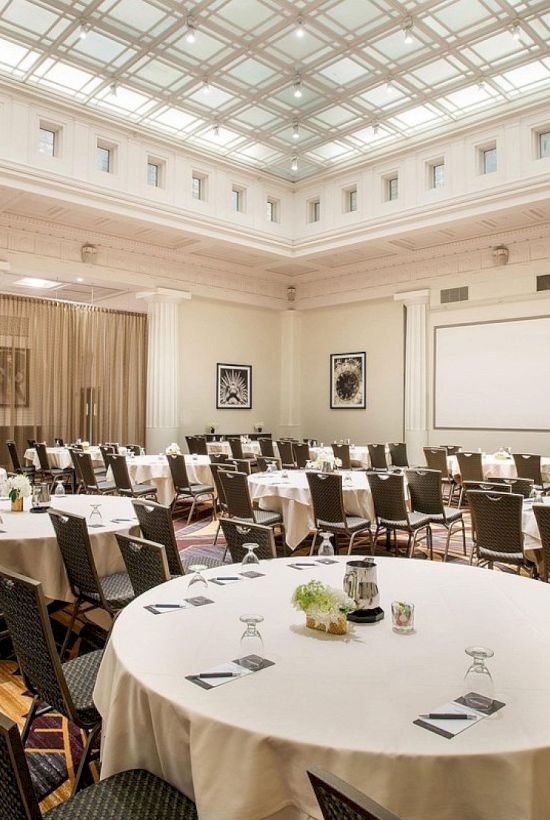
x=205, y=86
x=79, y=279
x=481, y=84
x=190, y=34
x=113, y=88
x=294, y=164
x=83, y=30
x=216, y=130
x=516, y=32
x=407, y=31
x=296, y=131
x=299, y=30
x=375, y=129
x=297, y=86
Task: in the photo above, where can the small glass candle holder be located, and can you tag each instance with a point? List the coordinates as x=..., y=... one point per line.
x=402, y=614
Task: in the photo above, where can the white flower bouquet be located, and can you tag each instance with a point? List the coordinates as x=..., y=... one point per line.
x=18, y=486
x=173, y=449
x=325, y=607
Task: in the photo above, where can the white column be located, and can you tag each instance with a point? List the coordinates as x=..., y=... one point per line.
x=163, y=366
x=416, y=372
x=291, y=337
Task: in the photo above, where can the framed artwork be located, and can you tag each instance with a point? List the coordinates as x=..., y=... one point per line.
x=14, y=377
x=234, y=387
x=348, y=381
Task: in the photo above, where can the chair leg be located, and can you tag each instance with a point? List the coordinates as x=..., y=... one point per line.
x=28, y=722
x=191, y=511
x=76, y=608
x=217, y=534
x=446, y=554
x=463, y=535
x=81, y=774
x=410, y=545
x=430, y=541
x=313, y=540
x=350, y=545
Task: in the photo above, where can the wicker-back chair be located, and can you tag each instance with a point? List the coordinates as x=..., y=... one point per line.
x=436, y=459
x=218, y=458
x=123, y=482
x=542, y=516
x=16, y=462
x=58, y=442
x=266, y=447
x=341, y=451
x=156, y=524
x=398, y=454
x=263, y=463
x=452, y=449
x=529, y=466
x=498, y=523
x=107, y=450
x=340, y=801
x=285, y=454
x=377, y=456
x=237, y=533
x=523, y=486
x=239, y=504
x=329, y=513
x=470, y=466
x=392, y=514
x=135, y=793
x=134, y=449
x=236, y=447
x=145, y=562
x=426, y=497
x=220, y=494
x=300, y=454
x=184, y=489
x=53, y=474
x=67, y=688
x=113, y=446
x=197, y=445
x=91, y=482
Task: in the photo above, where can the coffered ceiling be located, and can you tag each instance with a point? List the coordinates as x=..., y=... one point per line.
x=230, y=93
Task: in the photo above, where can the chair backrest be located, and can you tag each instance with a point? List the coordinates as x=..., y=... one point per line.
x=263, y=462
x=178, y=470
x=300, y=454
x=17, y=798
x=237, y=494
x=74, y=544
x=156, y=524
x=133, y=448
x=31, y=442
x=498, y=521
x=285, y=451
x=107, y=450
x=470, y=466
x=58, y=442
x=76, y=463
x=215, y=470
x=236, y=447
x=42, y=453
x=340, y=801
x=145, y=562
x=388, y=495
x=121, y=475
x=327, y=497
x=490, y=486
x=452, y=449
x=398, y=454
x=14, y=455
x=243, y=465
x=436, y=459
x=266, y=447
x=377, y=455
x=218, y=458
x=425, y=491
x=24, y=606
x=113, y=446
x=197, y=445
x=528, y=466
x=86, y=470
x=341, y=451
x=523, y=486
x=236, y=534
x=542, y=516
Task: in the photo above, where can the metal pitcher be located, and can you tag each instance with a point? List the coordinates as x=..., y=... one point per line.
x=360, y=583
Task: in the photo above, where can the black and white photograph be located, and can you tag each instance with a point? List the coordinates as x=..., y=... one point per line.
x=234, y=387
x=348, y=381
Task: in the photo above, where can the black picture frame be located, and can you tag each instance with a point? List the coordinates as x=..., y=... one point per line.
x=348, y=381
x=233, y=386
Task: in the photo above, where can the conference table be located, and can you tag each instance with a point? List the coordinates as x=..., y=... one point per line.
x=28, y=544
x=291, y=497
x=346, y=703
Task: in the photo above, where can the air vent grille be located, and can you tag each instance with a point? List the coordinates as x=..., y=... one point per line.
x=454, y=295
x=543, y=282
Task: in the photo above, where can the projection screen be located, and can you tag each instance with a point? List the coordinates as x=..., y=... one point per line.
x=493, y=375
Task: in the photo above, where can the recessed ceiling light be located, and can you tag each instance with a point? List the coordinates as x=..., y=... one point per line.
x=294, y=164
x=79, y=279
x=297, y=86
x=407, y=31
x=83, y=30
x=190, y=34
x=31, y=282
x=516, y=32
x=296, y=131
x=299, y=30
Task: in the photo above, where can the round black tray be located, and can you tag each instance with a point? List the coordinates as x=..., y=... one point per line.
x=39, y=509
x=366, y=616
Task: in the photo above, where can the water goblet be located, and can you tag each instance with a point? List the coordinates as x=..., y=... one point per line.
x=35, y=496
x=252, y=645
x=59, y=487
x=250, y=558
x=95, y=515
x=198, y=577
x=284, y=476
x=478, y=681
x=325, y=549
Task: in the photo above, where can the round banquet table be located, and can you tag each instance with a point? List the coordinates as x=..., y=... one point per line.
x=359, y=455
x=28, y=544
x=155, y=470
x=498, y=467
x=346, y=703
x=61, y=457
x=291, y=497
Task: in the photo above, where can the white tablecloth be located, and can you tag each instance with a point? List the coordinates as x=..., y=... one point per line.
x=358, y=455
x=344, y=703
x=224, y=447
x=60, y=457
x=494, y=467
x=292, y=498
x=155, y=470
x=29, y=545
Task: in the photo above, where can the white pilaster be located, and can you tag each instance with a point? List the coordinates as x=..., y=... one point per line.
x=416, y=372
x=291, y=339
x=163, y=366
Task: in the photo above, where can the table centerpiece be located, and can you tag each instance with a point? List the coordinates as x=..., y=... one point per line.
x=325, y=607
x=19, y=488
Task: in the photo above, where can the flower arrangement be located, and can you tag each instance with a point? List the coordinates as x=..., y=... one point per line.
x=259, y=426
x=326, y=462
x=325, y=607
x=173, y=449
x=18, y=486
x=85, y=445
x=210, y=427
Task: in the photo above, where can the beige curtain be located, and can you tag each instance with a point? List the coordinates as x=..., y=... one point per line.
x=70, y=371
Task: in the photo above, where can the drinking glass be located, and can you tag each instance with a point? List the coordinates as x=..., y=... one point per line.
x=478, y=681
x=326, y=549
x=59, y=488
x=198, y=577
x=250, y=557
x=35, y=496
x=402, y=614
x=251, y=641
x=95, y=515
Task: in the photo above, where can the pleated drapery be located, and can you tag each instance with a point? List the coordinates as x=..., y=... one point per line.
x=70, y=371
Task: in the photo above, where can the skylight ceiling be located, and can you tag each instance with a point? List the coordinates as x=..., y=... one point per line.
x=231, y=92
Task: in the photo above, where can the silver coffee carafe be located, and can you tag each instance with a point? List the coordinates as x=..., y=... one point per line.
x=360, y=583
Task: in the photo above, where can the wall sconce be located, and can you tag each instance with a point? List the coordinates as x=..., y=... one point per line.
x=88, y=254
x=501, y=255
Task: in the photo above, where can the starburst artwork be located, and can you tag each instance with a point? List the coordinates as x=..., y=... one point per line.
x=348, y=381
x=234, y=387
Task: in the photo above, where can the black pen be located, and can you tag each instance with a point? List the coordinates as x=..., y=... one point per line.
x=297, y=564
x=448, y=716
x=219, y=675
x=228, y=579
x=169, y=606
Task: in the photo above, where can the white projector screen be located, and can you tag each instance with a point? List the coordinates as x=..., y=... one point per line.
x=493, y=375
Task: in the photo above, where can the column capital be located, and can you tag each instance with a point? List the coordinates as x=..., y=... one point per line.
x=163, y=295
x=413, y=297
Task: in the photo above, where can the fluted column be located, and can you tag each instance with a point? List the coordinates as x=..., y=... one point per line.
x=416, y=372
x=291, y=335
x=163, y=366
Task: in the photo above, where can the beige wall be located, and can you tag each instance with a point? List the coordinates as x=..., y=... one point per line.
x=215, y=332
x=376, y=328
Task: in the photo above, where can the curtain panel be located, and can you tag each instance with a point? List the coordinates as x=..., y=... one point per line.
x=70, y=371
